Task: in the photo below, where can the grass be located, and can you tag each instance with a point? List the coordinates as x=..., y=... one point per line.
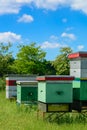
x=15, y=117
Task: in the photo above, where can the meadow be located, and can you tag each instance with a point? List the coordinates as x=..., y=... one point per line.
x=24, y=117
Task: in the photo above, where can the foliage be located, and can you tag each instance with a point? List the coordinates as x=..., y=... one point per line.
x=30, y=60
x=6, y=59
x=48, y=68
x=61, y=63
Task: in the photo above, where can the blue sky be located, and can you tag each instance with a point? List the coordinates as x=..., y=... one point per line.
x=50, y=23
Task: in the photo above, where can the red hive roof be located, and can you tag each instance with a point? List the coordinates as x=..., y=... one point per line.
x=56, y=78
x=77, y=55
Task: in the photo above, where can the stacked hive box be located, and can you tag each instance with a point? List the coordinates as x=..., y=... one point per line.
x=26, y=92
x=78, y=68
x=55, y=93
x=78, y=64
x=11, y=87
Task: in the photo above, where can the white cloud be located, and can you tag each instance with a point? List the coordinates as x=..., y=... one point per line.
x=47, y=44
x=79, y=5
x=51, y=45
x=14, y=6
x=26, y=18
x=55, y=4
x=49, y=4
x=69, y=28
x=53, y=37
x=80, y=47
x=9, y=37
x=64, y=20
x=9, y=6
x=68, y=35
x=24, y=1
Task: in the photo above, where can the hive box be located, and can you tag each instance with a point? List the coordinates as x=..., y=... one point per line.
x=80, y=73
x=78, y=64
x=80, y=89
x=55, y=89
x=11, y=86
x=26, y=91
x=54, y=107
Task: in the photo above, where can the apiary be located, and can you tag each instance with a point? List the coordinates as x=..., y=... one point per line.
x=26, y=91
x=11, y=86
x=54, y=90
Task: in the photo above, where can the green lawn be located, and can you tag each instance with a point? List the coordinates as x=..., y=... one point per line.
x=15, y=117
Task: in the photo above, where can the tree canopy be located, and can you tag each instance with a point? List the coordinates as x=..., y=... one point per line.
x=6, y=59
x=30, y=59
x=61, y=63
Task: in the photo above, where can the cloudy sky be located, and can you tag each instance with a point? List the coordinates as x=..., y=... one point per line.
x=50, y=23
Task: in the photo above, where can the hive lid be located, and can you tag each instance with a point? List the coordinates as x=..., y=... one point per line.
x=26, y=82
x=54, y=77
x=77, y=55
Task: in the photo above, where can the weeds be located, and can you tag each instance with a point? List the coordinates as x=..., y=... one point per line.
x=67, y=118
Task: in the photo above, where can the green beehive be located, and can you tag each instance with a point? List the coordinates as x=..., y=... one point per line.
x=55, y=89
x=26, y=91
x=80, y=89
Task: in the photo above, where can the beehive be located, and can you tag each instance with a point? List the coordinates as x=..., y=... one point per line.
x=80, y=89
x=55, y=89
x=26, y=91
x=11, y=86
x=78, y=64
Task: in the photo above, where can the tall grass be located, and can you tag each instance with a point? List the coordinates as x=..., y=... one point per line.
x=21, y=117
x=2, y=83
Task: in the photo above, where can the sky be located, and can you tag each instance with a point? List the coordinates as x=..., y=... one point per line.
x=51, y=24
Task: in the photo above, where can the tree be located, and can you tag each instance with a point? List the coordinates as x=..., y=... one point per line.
x=49, y=68
x=29, y=60
x=6, y=59
x=61, y=63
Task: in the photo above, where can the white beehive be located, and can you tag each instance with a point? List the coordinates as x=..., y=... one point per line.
x=11, y=87
x=78, y=64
